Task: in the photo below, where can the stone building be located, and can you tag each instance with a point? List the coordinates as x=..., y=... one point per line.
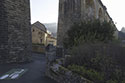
x=15, y=31
x=51, y=40
x=39, y=33
x=71, y=11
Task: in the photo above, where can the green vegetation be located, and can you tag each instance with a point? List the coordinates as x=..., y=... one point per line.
x=94, y=55
x=123, y=81
x=89, y=32
x=87, y=73
x=107, y=59
x=89, y=3
x=112, y=81
x=38, y=44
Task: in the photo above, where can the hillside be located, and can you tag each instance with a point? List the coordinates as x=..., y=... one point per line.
x=52, y=27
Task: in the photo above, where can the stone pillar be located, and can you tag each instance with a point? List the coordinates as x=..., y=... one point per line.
x=69, y=12
x=15, y=31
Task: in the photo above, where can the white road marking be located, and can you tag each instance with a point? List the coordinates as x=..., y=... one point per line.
x=4, y=77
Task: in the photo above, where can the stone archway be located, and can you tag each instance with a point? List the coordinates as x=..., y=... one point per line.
x=100, y=14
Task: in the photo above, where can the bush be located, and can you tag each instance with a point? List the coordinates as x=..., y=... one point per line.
x=91, y=31
x=92, y=53
x=105, y=58
x=38, y=44
x=90, y=74
x=123, y=81
x=112, y=81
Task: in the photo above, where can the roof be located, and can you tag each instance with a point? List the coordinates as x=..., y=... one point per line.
x=40, y=26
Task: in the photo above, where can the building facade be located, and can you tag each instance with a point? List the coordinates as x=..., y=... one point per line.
x=40, y=35
x=51, y=40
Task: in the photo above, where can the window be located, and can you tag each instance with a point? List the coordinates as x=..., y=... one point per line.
x=40, y=33
x=41, y=40
x=33, y=30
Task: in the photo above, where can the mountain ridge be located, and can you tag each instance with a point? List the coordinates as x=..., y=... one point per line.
x=52, y=27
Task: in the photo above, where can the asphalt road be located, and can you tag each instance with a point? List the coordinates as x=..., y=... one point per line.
x=35, y=73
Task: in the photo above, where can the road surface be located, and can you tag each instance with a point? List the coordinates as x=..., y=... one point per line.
x=35, y=73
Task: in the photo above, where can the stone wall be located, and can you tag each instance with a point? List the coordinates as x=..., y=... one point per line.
x=71, y=11
x=3, y=31
x=38, y=49
x=15, y=31
x=57, y=72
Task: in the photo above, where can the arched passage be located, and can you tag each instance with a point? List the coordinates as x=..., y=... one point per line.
x=100, y=14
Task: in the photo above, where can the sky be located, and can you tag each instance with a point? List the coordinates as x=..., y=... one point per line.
x=46, y=11
x=116, y=10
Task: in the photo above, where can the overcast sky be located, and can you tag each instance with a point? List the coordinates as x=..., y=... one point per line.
x=46, y=11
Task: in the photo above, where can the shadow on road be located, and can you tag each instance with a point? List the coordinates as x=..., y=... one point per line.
x=35, y=73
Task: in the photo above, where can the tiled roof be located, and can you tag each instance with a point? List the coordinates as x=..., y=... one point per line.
x=40, y=26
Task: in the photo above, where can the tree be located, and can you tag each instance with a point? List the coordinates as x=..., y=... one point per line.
x=90, y=31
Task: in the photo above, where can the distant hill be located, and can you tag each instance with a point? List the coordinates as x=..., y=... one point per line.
x=123, y=30
x=121, y=35
x=52, y=27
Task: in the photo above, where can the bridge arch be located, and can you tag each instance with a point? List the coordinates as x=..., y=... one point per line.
x=100, y=14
